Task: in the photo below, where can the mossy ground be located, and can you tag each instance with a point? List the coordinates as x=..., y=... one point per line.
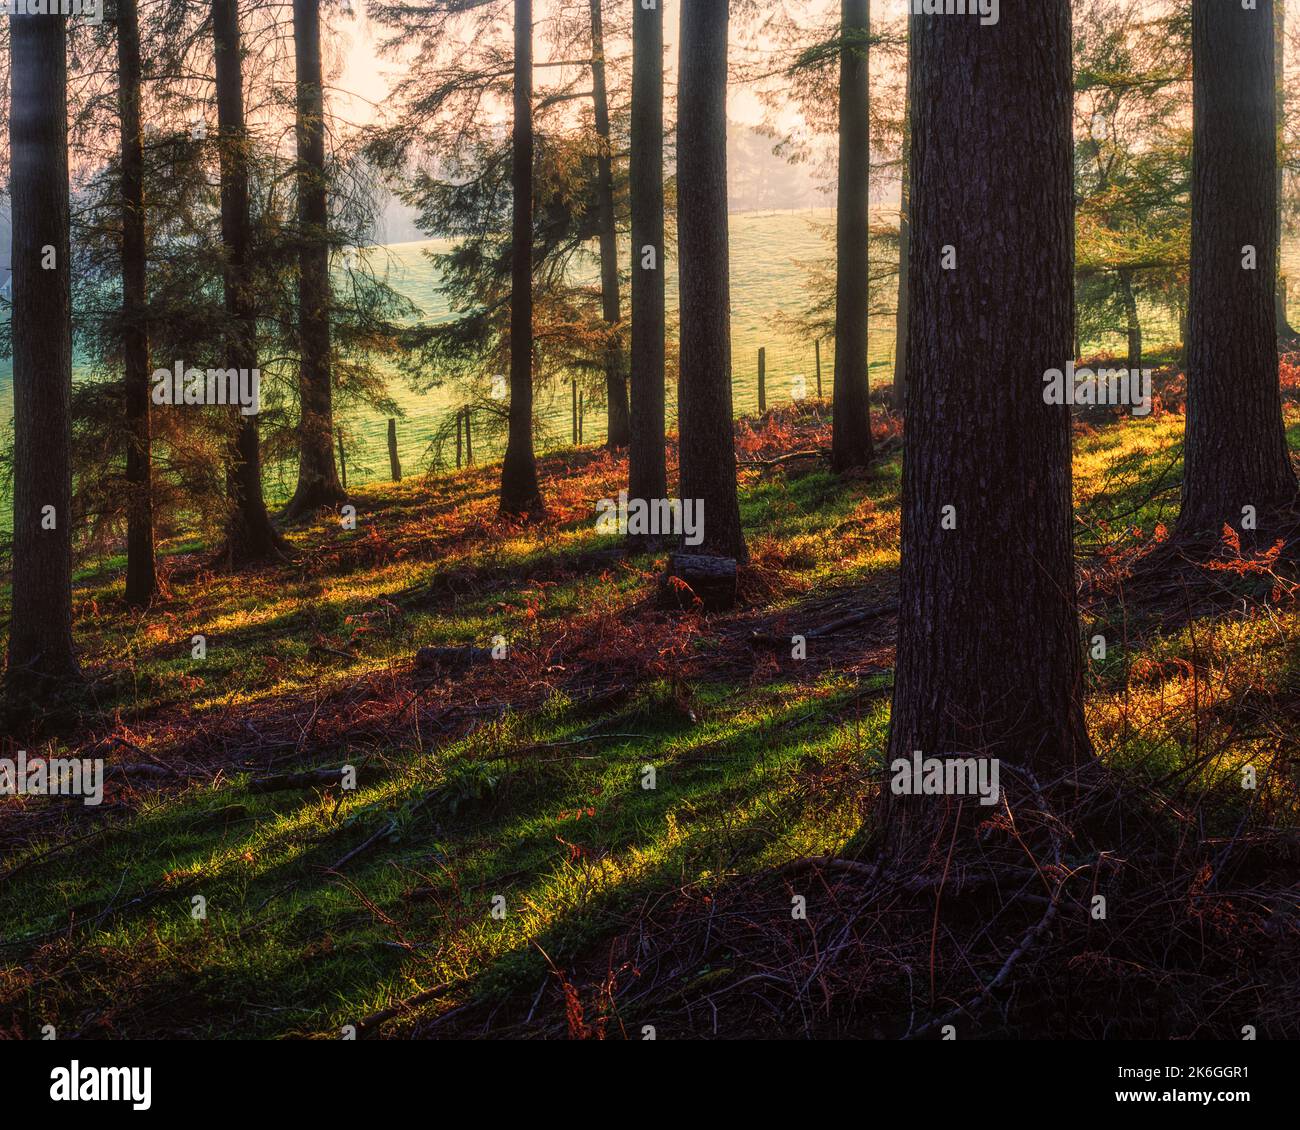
x=524, y=778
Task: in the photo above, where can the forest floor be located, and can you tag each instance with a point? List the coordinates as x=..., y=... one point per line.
x=500, y=868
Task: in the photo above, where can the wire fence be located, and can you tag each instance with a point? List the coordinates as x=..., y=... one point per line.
x=449, y=433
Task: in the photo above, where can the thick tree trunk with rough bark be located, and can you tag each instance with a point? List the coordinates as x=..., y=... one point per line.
x=989, y=657
x=704, y=410
x=250, y=536
x=40, y=625
x=619, y=429
x=519, y=490
x=647, y=476
x=318, y=480
x=1235, y=449
x=851, y=430
x=141, y=574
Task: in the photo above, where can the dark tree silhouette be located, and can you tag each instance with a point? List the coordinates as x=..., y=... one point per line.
x=989, y=657
x=519, y=490
x=899, y=393
x=141, y=575
x=1235, y=451
x=851, y=432
x=40, y=623
x=647, y=477
x=318, y=480
x=1285, y=331
x=708, y=453
x=250, y=536
x=615, y=370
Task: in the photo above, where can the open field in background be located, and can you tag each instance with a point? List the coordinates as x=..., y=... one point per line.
x=770, y=256
x=769, y=282
x=522, y=778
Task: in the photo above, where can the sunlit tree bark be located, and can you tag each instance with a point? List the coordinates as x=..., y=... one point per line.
x=989, y=659
x=1236, y=465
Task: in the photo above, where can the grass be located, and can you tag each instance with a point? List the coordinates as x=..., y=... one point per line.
x=501, y=839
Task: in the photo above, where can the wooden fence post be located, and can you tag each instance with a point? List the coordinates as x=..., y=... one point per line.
x=394, y=464
x=762, y=381
x=343, y=462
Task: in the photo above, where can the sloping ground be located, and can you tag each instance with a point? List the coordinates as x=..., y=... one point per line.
x=501, y=867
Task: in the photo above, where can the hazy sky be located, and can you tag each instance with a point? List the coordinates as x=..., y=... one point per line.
x=369, y=78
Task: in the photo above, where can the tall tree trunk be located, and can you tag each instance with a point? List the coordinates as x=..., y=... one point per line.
x=988, y=661
x=899, y=397
x=619, y=430
x=141, y=575
x=318, y=481
x=1235, y=449
x=647, y=476
x=851, y=430
x=519, y=490
x=250, y=536
x=1132, y=322
x=1285, y=331
x=708, y=452
x=40, y=624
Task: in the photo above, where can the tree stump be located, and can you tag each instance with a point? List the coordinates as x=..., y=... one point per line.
x=710, y=579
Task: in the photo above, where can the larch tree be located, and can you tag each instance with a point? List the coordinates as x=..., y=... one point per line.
x=318, y=480
x=1132, y=171
x=141, y=574
x=250, y=536
x=851, y=430
x=1237, y=471
x=704, y=409
x=989, y=659
x=454, y=165
x=647, y=475
x=41, y=656
x=619, y=429
x=520, y=494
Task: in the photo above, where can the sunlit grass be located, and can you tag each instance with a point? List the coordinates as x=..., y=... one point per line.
x=540, y=803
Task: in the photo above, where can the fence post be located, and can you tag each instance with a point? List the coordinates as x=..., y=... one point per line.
x=460, y=422
x=573, y=388
x=343, y=463
x=394, y=464
x=579, y=417
x=762, y=381
x=817, y=348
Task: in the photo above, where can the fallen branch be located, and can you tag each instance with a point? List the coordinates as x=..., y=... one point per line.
x=282, y=782
x=451, y=658
x=773, y=640
x=831, y=863
x=154, y=772
x=375, y=1019
x=779, y=459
